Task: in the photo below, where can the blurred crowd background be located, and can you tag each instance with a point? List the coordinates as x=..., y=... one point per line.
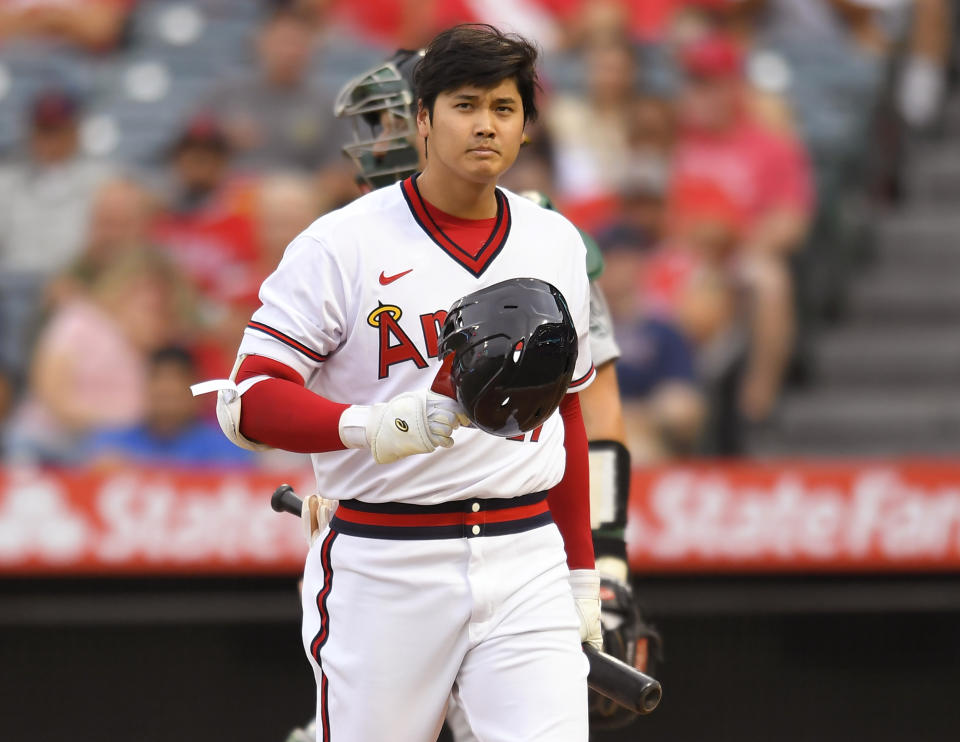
x=731, y=158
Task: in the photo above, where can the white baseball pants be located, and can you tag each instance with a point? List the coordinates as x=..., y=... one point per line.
x=391, y=627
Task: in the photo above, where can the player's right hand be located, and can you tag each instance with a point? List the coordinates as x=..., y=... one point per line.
x=410, y=423
x=585, y=585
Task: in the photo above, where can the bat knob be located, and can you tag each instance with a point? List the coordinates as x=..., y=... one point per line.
x=280, y=494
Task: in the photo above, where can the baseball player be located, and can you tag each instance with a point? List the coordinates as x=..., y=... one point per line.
x=385, y=149
x=442, y=568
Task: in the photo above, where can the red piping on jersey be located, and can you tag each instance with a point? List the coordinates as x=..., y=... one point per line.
x=476, y=264
x=286, y=340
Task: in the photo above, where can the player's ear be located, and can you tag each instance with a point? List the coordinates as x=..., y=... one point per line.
x=423, y=119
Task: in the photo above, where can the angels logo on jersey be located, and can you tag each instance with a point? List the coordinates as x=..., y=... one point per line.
x=395, y=344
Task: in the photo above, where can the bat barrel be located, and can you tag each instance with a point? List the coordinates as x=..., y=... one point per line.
x=622, y=683
x=650, y=696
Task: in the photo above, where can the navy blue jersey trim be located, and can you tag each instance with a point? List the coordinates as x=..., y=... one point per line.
x=454, y=506
x=428, y=533
x=323, y=634
x=478, y=264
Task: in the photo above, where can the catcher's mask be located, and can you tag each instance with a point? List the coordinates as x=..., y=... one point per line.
x=380, y=106
x=514, y=346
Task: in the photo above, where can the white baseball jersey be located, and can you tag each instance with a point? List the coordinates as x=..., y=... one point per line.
x=356, y=307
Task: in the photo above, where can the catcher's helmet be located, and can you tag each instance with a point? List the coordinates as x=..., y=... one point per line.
x=514, y=346
x=380, y=105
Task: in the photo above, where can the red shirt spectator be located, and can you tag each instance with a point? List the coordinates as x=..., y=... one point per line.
x=759, y=169
x=212, y=243
x=213, y=247
x=765, y=173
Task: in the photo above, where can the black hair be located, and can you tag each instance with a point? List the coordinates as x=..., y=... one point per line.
x=477, y=54
x=173, y=354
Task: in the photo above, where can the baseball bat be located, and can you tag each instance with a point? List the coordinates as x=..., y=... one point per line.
x=621, y=683
x=608, y=676
x=285, y=500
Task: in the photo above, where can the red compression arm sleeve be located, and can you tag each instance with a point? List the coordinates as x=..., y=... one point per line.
x=281, y=412
x=570, y=499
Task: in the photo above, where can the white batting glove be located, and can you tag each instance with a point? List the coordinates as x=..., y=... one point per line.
x=412, y=422
x=315, y=514
x=585, y=584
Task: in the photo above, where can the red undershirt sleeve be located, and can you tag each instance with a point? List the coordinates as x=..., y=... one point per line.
x=281, y=412
x=569, y=500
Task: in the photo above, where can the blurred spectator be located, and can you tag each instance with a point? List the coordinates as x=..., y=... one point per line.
x=651, y=132
x=591, y=133
x=6, y=402
x=534, y=167
x=815, y=21
x=834, y=52
x=923, y=79
x=766, y=180
x=693, y=275
x=89, y=369
x=209, y=238
x=278, y=117
x=170, y=431
x=405, y=24
x=93, y=25
x=286, y=205
x=664, y=408
x=120, y=219
x=45, y=198
x=641, y=203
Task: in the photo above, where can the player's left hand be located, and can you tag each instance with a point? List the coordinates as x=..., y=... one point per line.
x=585, y=584
x=315, y=514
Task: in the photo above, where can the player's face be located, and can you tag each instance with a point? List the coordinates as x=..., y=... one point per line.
x=475, y=133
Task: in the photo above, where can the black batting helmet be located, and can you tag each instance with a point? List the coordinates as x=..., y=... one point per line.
x=514, y=346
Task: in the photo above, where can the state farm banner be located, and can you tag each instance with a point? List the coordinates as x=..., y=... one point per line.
x=146, y=522
x=711, y=517
x=796, y=516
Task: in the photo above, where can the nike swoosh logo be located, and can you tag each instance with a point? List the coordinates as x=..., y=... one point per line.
x=384, y=280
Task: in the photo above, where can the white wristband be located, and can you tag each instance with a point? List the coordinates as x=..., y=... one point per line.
x=353, y=426
x=585, y=583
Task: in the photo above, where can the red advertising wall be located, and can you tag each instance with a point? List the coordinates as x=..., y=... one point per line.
x=796, y=516
x=146, y=522
x=730, y=517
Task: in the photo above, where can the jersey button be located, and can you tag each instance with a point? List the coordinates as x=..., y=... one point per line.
x=476, y=530
x=475, y=507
